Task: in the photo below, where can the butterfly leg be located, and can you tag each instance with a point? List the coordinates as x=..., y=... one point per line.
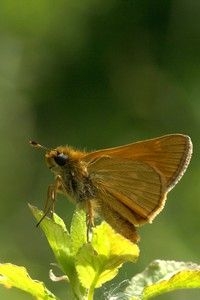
x=89, y=218
x=53, y=189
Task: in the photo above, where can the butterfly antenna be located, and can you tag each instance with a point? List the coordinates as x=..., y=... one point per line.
x=37, y=145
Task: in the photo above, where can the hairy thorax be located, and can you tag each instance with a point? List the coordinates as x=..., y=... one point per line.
x=77, y=182
x=74, y=177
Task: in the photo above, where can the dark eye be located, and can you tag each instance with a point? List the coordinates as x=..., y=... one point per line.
x=61, y=159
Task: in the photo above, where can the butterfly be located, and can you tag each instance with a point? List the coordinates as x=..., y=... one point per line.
x=127, y=186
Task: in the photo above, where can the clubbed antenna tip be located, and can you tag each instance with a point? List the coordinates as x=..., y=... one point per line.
x=37, y=145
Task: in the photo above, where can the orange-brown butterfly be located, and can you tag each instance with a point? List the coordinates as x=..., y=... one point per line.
x=127, y=185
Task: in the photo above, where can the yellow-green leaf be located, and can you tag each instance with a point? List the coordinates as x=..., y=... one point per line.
x=109, y=243
x=56, y=234
x=99, y=262
x=61, y=243
x=18, y=277
x=78, y=230
x=161, y=277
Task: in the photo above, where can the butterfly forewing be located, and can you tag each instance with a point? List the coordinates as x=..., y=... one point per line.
x=169, y=155
x=136, y=177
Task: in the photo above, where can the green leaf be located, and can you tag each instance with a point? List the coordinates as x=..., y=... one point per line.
x=56, y=234
x=78, y=231
x=18, y=277
x=99, y=262
x=111, y=244
x=161, y=277
x=60, y=222
x=62, y=246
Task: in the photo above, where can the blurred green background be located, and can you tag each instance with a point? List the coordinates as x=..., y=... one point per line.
x=96, y=74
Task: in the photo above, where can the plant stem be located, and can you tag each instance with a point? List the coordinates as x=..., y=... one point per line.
x=90, y=293
x=92, y=287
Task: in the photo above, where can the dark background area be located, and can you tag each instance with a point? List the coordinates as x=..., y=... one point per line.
x=96, y=74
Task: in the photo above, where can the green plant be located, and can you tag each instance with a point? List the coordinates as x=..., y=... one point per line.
x=87, y=266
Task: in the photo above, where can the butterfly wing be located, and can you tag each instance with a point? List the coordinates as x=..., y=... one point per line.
x=132, y=188
x=168, y=155
x=134, y=179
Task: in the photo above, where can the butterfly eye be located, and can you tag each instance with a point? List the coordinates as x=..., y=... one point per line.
x=61, y=159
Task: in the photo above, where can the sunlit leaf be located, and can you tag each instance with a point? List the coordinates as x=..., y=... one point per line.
x=161, y=277
x=99, y=262
x=78, y=230
x=109, y=243
x=61, y=244
x=18, y=277
x=56, y=234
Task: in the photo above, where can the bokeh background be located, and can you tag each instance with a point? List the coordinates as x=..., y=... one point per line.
x=96, y=74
